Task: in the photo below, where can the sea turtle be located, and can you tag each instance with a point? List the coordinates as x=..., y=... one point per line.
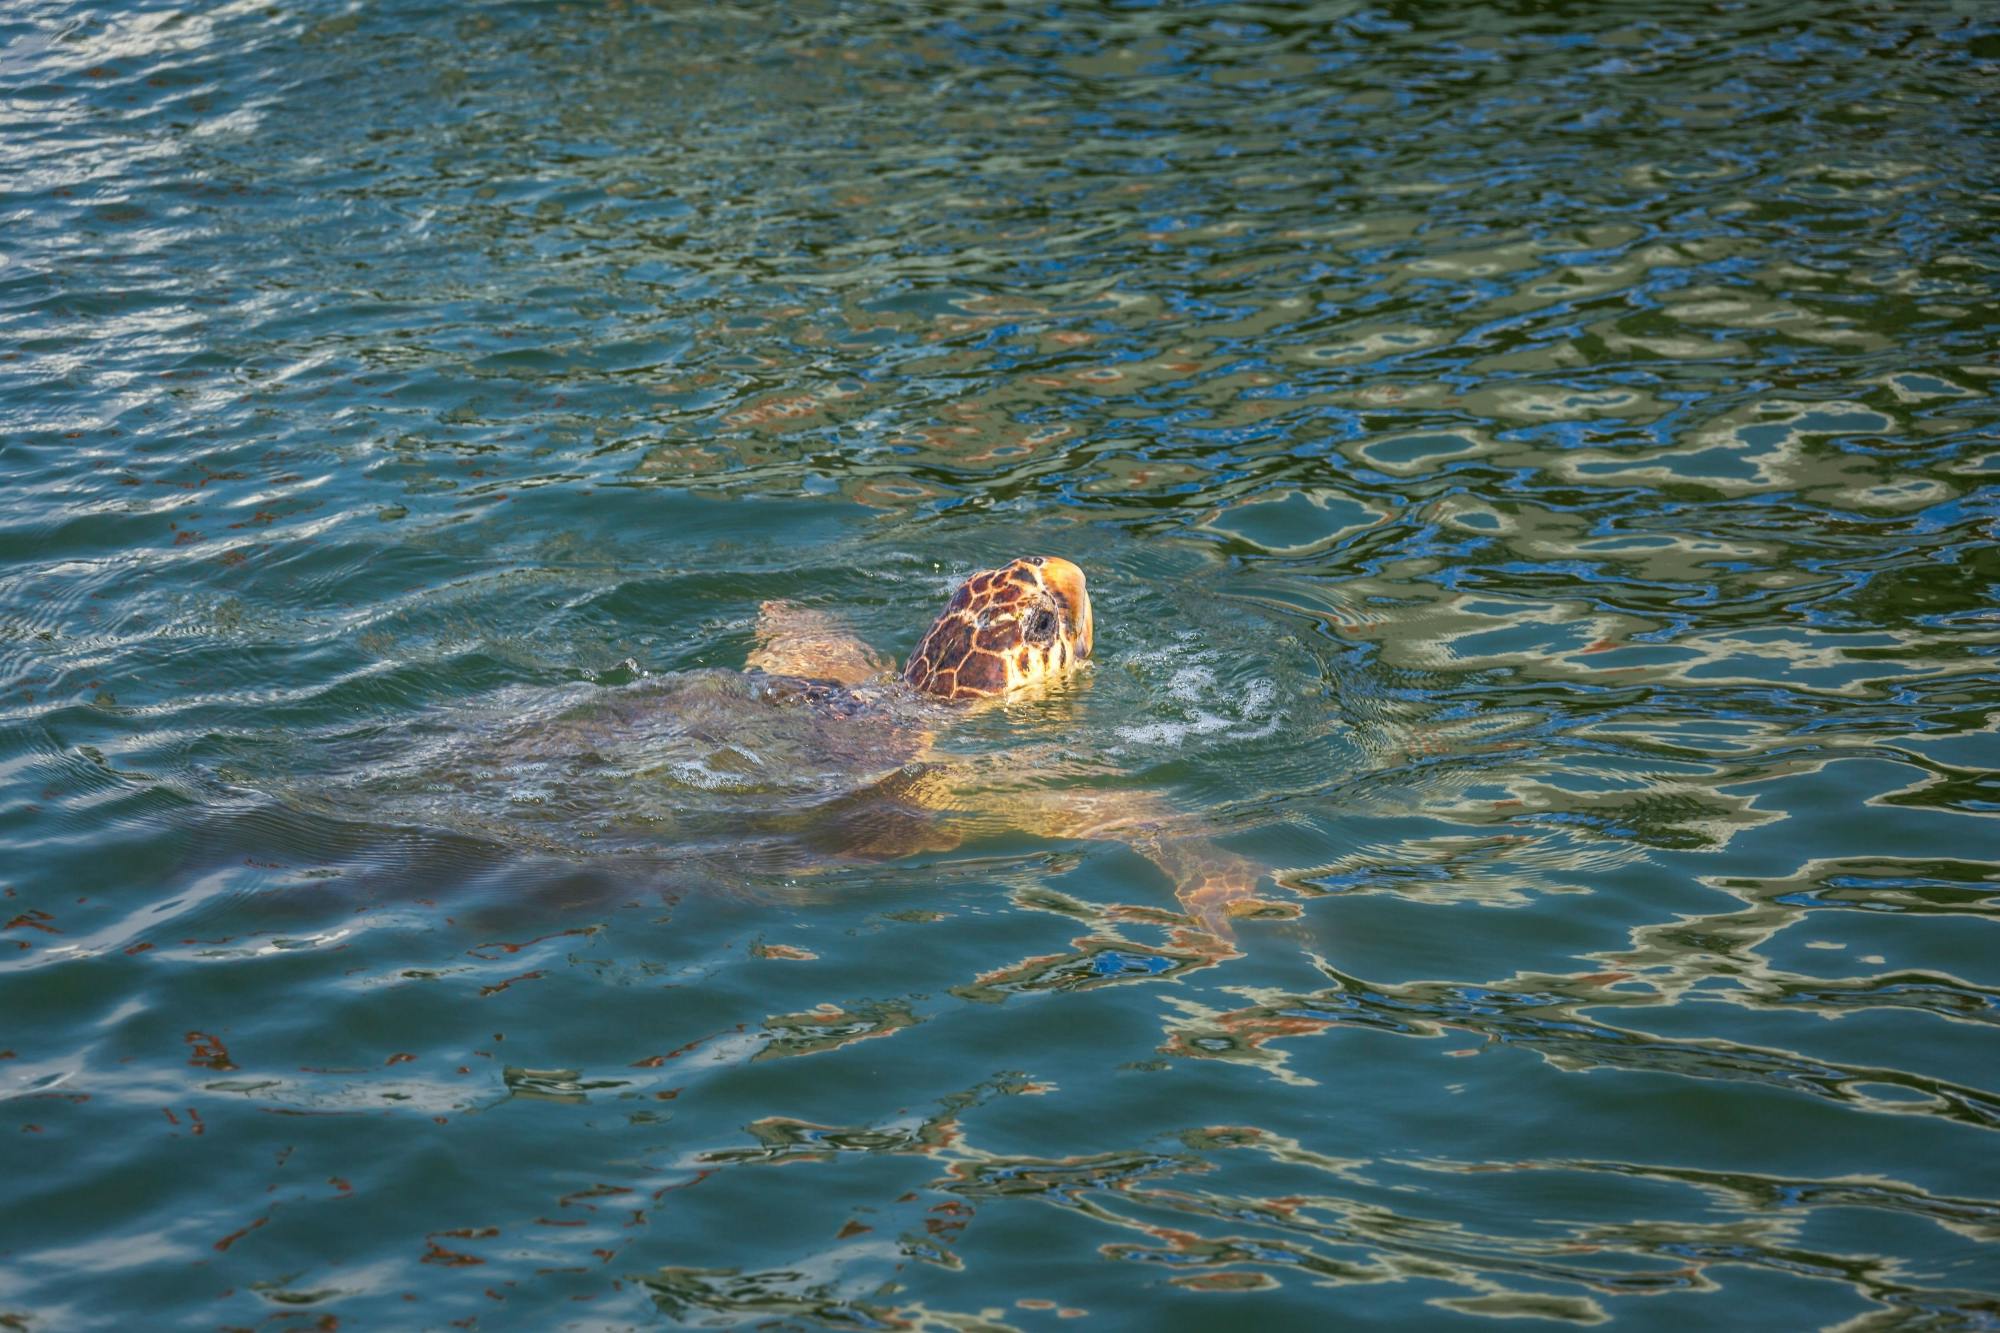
x=815, y=754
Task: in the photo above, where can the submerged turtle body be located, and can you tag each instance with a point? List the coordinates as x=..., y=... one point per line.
x=816, y=744
x=759, y=771
x=747, y=738
x=814, y=754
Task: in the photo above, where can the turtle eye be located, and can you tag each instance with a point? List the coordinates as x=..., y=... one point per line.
x=1042, y=626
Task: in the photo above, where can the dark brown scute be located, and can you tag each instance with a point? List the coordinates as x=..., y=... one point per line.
x=982, y=671
x=996, y=638
x=948, y=641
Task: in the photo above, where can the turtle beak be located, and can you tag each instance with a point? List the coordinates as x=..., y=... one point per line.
x=1065, y=580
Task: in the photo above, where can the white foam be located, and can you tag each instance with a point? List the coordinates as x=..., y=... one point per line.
x=1248, y=716
x=694, y=773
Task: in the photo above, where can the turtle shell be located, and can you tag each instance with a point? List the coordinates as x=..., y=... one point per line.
x=669, y=764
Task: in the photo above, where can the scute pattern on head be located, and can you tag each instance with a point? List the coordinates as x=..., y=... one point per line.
x=1026, y=624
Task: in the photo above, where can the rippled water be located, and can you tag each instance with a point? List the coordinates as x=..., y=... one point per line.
x=1536, y=468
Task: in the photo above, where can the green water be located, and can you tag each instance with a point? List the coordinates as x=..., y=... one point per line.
x=1536, y=468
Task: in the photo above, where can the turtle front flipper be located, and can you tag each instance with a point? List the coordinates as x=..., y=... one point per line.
x=794, y=640
x=1212, y=884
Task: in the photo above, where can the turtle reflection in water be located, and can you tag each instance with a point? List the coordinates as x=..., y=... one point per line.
x=818, y=753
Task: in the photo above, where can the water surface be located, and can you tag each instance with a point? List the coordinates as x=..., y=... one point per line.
x=1536, y=468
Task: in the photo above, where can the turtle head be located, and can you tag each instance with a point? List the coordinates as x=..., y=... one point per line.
x=1004, y=630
